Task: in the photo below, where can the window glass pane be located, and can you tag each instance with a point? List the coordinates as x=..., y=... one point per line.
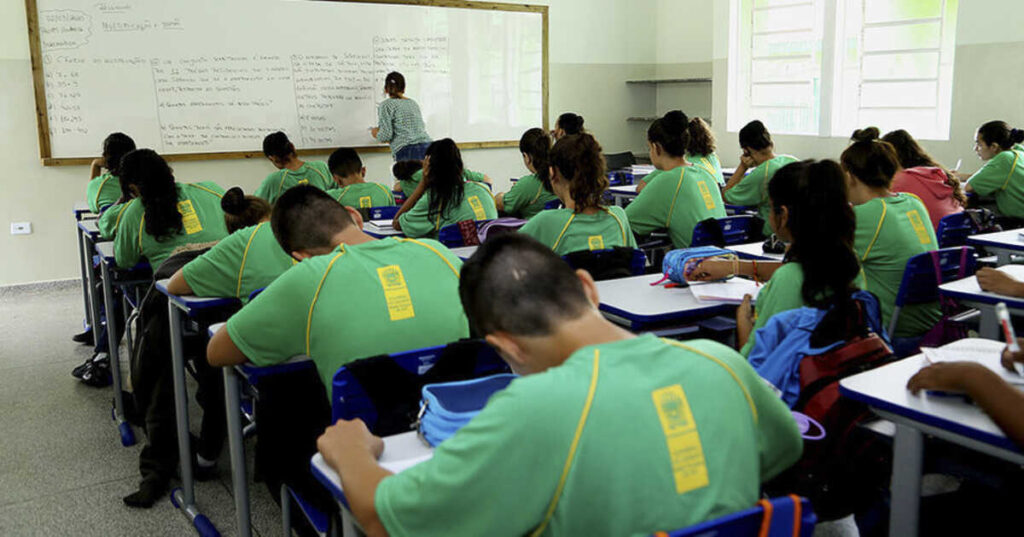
x=787, y=120
x=782, y=70
x=923, y=35
x=921, y=122
x=798, y=94
x=894, y=10
x=773, y=3
x=906, y=65
x=786, y=44
x=890, y=94
x=784, y=18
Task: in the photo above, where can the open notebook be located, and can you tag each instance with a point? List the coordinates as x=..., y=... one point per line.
x=986, y=352
x=380, y=225
x=729, y=292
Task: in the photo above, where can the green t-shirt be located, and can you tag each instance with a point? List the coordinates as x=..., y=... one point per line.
x=102, y=191
x=677, y=200
x=111, y=219
x=753, y=188
x=244, y=261
x=409, y=185
x=783, y=292
x=202, y=222
x=312, y=173
x=889, y=232
x=566, y=231
x=477, y=204
x=649, y=178
x=363, y=195
x=379, y=297
x=709, y=163
x=676, y=434
x=527, y=197
x=1003, y=178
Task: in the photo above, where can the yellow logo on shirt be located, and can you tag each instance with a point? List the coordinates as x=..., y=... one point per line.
x=595, y=242
x=684, y=447
x=365, y=202
x=918, y=225
x=396, y=294
x=189, y=218
x=302, y=182
x=705, y=193
x=478, y=208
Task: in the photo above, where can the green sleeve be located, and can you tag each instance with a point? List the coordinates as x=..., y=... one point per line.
x=389, y=197
x=521, y=194
x=620, y=215
x=749, y=191
x=782, y=293
x=110, y=219
x=216, y=273
x=409, y=185
x=477, y=177
x=538, y=227
x=267, y=188
x=416, y=222
x=649, y=210
x=126, y=241
x=272, y=328
x=993, y=175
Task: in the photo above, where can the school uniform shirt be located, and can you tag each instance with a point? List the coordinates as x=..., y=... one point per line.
x=409, y=185
x=202, y=221
x=710, y=163
x=677, y=201
x=752, y=190
x=527, y=197
x=363, y=195
x=244, y=261
x=1003, y=178
x=890, y=231
x=566, y=231
x=401, y=124
x=111, y=219
x=929, y=185
x=379, y=297
x=313, y=173
x=102, y=191
x=670, y=434
x=647, y=179
x=783, y=292
x=477, y=204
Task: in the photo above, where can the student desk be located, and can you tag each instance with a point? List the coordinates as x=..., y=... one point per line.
x=635, y=304
x=1004, y=244
x=380, y=234
x=969, y=293
x=755, y=251
x=727, y=173
x=81, y=211
x=952, y=419
x=464, y=252
x=88, y=237
x=622, y=194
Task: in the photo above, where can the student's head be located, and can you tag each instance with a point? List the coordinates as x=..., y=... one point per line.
x=995, y=137
x=535, y=145
x=403, y=170
x=756, y=141
x=115, y=147
x=394, y=84
x=912, y=155
x=578, y=172
x=809, y=209
x=668, y=138
x=147, y=173
x=306, y=221
x=517, y=294
x=346, y=166
x=278, y=149
x=242, y=211
x=567, y=125
x=443, y=173
x=869, y=161
x=702, y=140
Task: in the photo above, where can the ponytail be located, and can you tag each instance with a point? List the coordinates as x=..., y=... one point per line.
x=242, y=211
x=872, y=161
x=671, y=132
x=1000, y=133
x=157, y=191
x=702, y=140
x=537, y=144
x=445, y=181
x=579, y=160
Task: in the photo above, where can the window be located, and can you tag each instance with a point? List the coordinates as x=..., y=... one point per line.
x=829, y=67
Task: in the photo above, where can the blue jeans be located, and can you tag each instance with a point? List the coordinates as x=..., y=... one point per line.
x=412, y=152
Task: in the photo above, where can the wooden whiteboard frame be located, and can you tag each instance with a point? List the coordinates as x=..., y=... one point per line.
x=43, y=120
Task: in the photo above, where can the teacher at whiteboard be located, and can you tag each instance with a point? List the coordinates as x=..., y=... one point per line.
x=400, y=122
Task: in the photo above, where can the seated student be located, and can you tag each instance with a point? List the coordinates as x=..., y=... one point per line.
x=701, y=429
x=700, y=151
x=891, y=228
x=1002, y=176
x=683, y=195
x=351, y=189
x=938, y=188
x=246, y=260
x=567, y=124
x=104, y=189
x=291, y=170
x=404, y=170
x=443, y=197
x=110, y=220
x=759, y=155
x=531, y=192
x=578, y=179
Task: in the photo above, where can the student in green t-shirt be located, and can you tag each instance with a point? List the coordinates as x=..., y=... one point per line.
x=891, y=228
x=759, y=157
x=246, y=260
x=350, y=186
x=530, y=193
x=1002, y=176
x=104, y=188
x=605, y=433
x=578, y=179
x=350, y=297
x=409, y=175
x=683, y=195
x=700, y=151
x=291, y=170
x=443, y=197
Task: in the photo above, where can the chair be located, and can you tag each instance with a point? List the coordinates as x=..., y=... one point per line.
x=619, y=161
x=954, y=229
x=771, y=518
x=381, y=213
x=553, y=204
x=454, y=235
x=620, y=262
x=921, y=278
x=723, y=231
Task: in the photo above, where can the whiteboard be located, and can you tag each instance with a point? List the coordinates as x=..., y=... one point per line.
x=203, y=77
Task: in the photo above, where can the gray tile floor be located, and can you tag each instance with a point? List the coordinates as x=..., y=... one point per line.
x=62, y=467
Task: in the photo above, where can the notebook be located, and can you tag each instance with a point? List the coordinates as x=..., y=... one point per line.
x=986, y=352
x=728, y=292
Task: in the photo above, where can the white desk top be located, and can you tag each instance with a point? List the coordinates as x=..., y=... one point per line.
x=376, y=232
x=755, y=249
x=90, y=226
x=968, y=289
x=106, y=250
x=636, y=300
x=728, y=171
x=189, y=302
x=401, y=451
x=464, y=252
x=1010, y=239
x=623, y=190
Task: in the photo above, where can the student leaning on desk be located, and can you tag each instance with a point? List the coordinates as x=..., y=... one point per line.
x=606, y=433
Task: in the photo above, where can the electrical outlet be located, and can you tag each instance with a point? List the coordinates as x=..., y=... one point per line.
x=21, y=228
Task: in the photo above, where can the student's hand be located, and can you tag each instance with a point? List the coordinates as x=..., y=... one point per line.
x=374, y=131
x=1009, y=358
x=640, y=185
x=347, y=439
x=710, y=270
x=958, y=377
x=99, y=162
x=745, y=315
x=748, y=161
x=999, y=282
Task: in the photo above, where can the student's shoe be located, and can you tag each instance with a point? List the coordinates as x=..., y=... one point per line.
x=204, y=470
x=81, y=369
x=84, y=338
x=98, y=375
x=150, y=490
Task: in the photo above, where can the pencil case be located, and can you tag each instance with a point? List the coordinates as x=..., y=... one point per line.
x=678, y=264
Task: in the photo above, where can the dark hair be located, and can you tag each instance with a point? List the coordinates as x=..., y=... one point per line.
x=305, y=217
x=403, y=170
x=515, y=284
x=446, y=182
x=344, y=162
x=912, y=155
x=872, y=161
x=115, y=147
x=580, y=162
x=278, y=146
x=570, y=123
x=1000, y=133
x=394, y=83
x=537, y=144
x=702, y=140
x=822, y=225
x=241, y=211
x=671, y=132
x=157, y=191
x=755, y=135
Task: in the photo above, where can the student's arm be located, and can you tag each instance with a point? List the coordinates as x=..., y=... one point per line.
x=96, y=168
x=384, y=119
x=499, y=201
x=999, y=282
x=411, y=200
x=487, y=179
x=415, y=220
x=744, y=321
x=745, y=189
x=745, y=164
x=781, y=443
x=719, y=269
x=126, y=240
x=351, y=450
x=222, y=352
x=178, y=285
x=992, y=176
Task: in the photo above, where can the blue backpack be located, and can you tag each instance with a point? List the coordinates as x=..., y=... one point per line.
x=448, y=406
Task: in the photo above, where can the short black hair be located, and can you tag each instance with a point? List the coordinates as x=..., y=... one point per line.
x=115, y=147
x=755, y=135
x=515, y=284
x=305, y=217
x=345, y=162
x=277, y=145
